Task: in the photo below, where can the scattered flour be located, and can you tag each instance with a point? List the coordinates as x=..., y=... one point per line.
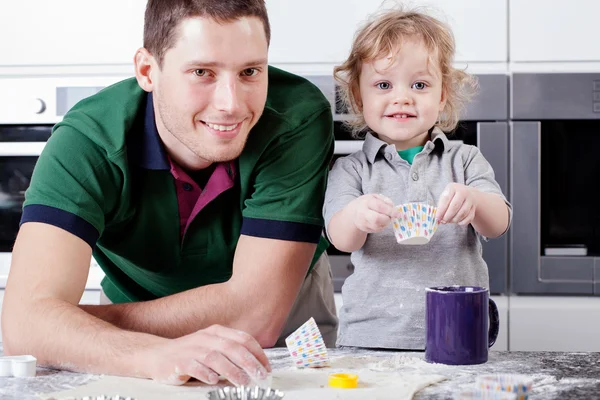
x=377, y=380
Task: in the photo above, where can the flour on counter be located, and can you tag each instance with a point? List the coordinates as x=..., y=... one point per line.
x=45, y=381
x=376, y=380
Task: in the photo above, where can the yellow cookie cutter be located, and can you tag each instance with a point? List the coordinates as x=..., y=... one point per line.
x=343, y=381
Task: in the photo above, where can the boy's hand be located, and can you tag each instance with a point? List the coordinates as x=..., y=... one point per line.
x=373, y=212
x=457, y=205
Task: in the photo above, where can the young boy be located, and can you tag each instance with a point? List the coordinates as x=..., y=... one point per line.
x=404, y=93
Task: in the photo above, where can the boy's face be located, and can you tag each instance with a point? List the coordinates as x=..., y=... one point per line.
x=402, y=101
x=211, y=89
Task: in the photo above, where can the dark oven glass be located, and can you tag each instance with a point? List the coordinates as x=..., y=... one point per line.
x=15, y=174
x=570, y=216
x=465, y=131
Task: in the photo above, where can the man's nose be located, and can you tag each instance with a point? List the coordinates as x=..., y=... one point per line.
x=226, y=96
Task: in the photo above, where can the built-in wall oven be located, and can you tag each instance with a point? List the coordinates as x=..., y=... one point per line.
x=29, y=108
x=555, y=170
x=484, y=124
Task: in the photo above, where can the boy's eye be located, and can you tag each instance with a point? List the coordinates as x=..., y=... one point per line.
x=419, y=85
x=383, y=85
x=250, y=72
x=200, y=72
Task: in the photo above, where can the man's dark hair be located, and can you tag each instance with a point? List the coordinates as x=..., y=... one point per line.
x=163, y=17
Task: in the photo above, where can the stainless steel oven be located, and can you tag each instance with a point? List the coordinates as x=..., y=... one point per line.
x=555, y=168
x=29, y=108
x=485, y=124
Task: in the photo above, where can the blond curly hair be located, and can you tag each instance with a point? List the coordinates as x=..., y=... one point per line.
x=382, y=35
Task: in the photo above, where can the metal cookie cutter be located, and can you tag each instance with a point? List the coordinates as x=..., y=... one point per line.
x=101, y=397
x=18, y=366
x=245, y=393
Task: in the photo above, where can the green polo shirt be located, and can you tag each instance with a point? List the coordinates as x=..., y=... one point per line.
x=104, y=176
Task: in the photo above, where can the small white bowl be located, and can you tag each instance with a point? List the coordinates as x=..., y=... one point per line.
x=18, y=366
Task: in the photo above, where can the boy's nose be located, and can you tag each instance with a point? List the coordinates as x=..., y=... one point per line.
x=402, y=96
x=403, y=99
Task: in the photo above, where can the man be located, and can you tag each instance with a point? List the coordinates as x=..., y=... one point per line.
x=199, y=195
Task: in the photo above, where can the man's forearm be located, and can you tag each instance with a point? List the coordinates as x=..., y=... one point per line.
x=60, y=335
x=186, y=312
x=267, y=276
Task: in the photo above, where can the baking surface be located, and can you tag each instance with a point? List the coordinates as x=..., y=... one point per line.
x=555, y=376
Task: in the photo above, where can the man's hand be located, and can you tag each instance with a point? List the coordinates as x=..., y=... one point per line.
x=373, y=212
x=205, y=355
x=457, y=205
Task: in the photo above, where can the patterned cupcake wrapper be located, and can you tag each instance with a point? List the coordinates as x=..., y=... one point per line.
x=308, y=359
x=417, y=221
x=306, y=346
x=512, y=383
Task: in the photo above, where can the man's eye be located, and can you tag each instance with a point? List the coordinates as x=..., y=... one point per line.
x=200, y=72
x=419, y=85
x=250, y=72
x=383, y=85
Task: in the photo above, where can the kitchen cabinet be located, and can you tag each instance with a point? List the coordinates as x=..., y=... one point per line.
x=544, y=33
x=70, y=32
x=76, y=33
x=316, y=31
x=554, y=323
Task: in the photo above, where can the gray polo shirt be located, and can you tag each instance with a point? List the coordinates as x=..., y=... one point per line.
x=384, y=299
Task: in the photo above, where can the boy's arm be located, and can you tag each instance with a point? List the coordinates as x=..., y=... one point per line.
x=343, y=233
x=492, y=215
x=493, y=212
x=349, y=227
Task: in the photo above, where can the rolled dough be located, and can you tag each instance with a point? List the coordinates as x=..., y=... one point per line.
x=377, y=380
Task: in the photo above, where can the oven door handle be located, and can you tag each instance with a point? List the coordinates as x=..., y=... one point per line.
x=20, y=149
x=347, y=146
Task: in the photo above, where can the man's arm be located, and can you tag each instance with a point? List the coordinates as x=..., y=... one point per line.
x=40, y=317
x=267, y=276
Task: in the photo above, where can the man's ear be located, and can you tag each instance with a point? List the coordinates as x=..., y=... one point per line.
x=145, y=64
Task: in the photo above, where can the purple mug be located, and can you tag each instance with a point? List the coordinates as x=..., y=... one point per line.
x=462, y=322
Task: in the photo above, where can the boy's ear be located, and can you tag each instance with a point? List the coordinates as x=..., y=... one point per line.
x=443, y=99
x=356, y=96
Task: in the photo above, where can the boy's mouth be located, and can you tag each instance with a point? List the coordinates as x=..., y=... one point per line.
x=401, y=115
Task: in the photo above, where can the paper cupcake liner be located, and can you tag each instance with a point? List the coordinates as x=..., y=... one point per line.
x=416, y=224
x=513, y=383
x=306, y=346
x=484, y=394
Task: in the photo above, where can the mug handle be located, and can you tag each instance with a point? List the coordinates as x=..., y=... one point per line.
x=494, y=323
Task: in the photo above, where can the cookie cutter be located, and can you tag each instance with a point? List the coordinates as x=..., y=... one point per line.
x=245, y=393
x=102, y=397
x=343, y=381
